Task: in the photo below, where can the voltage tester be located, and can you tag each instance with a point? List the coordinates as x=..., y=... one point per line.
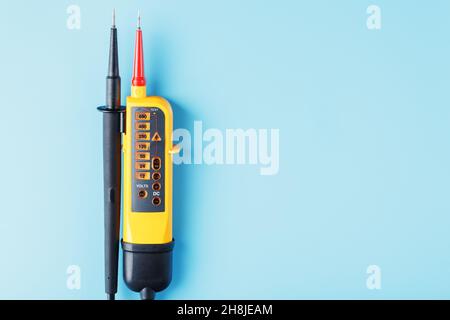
x=139, y=133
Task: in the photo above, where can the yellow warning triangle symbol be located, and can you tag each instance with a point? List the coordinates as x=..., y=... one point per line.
x=156, y=137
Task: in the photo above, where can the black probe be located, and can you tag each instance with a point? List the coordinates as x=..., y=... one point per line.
x=113, y=114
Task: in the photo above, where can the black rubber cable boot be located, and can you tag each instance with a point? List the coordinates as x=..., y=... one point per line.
x=147, y=268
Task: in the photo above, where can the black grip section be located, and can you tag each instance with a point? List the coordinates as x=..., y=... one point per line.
x=112, y=190
x=147, y=268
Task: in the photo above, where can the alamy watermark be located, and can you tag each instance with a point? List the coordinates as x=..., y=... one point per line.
x=73, y=281
x=373, y=281
x=231, y=147
x=374, y=20
x=73, y=21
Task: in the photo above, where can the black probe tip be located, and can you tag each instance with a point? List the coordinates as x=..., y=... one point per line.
x=110, y=296
x=113, y=77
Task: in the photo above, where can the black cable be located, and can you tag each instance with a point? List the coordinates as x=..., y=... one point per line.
x=147, y=294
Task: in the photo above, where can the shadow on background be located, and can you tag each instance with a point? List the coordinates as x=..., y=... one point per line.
x=182, y=194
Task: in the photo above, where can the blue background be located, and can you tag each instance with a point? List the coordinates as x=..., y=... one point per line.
x=364, y=133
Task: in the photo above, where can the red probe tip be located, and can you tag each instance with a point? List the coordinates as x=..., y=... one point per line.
x=138, y=79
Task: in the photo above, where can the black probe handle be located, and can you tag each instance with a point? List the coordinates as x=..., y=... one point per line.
x=112, y=163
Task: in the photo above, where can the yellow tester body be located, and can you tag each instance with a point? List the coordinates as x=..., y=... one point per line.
x=147, y=186
x=147, y=173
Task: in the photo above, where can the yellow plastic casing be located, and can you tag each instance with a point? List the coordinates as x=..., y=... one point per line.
x=147, y=227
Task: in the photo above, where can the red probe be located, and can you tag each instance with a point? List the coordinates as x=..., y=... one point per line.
x=138, y=79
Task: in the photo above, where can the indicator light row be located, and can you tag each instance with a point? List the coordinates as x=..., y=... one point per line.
x=145, y=175
x=142, y=125
x=143, y=156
